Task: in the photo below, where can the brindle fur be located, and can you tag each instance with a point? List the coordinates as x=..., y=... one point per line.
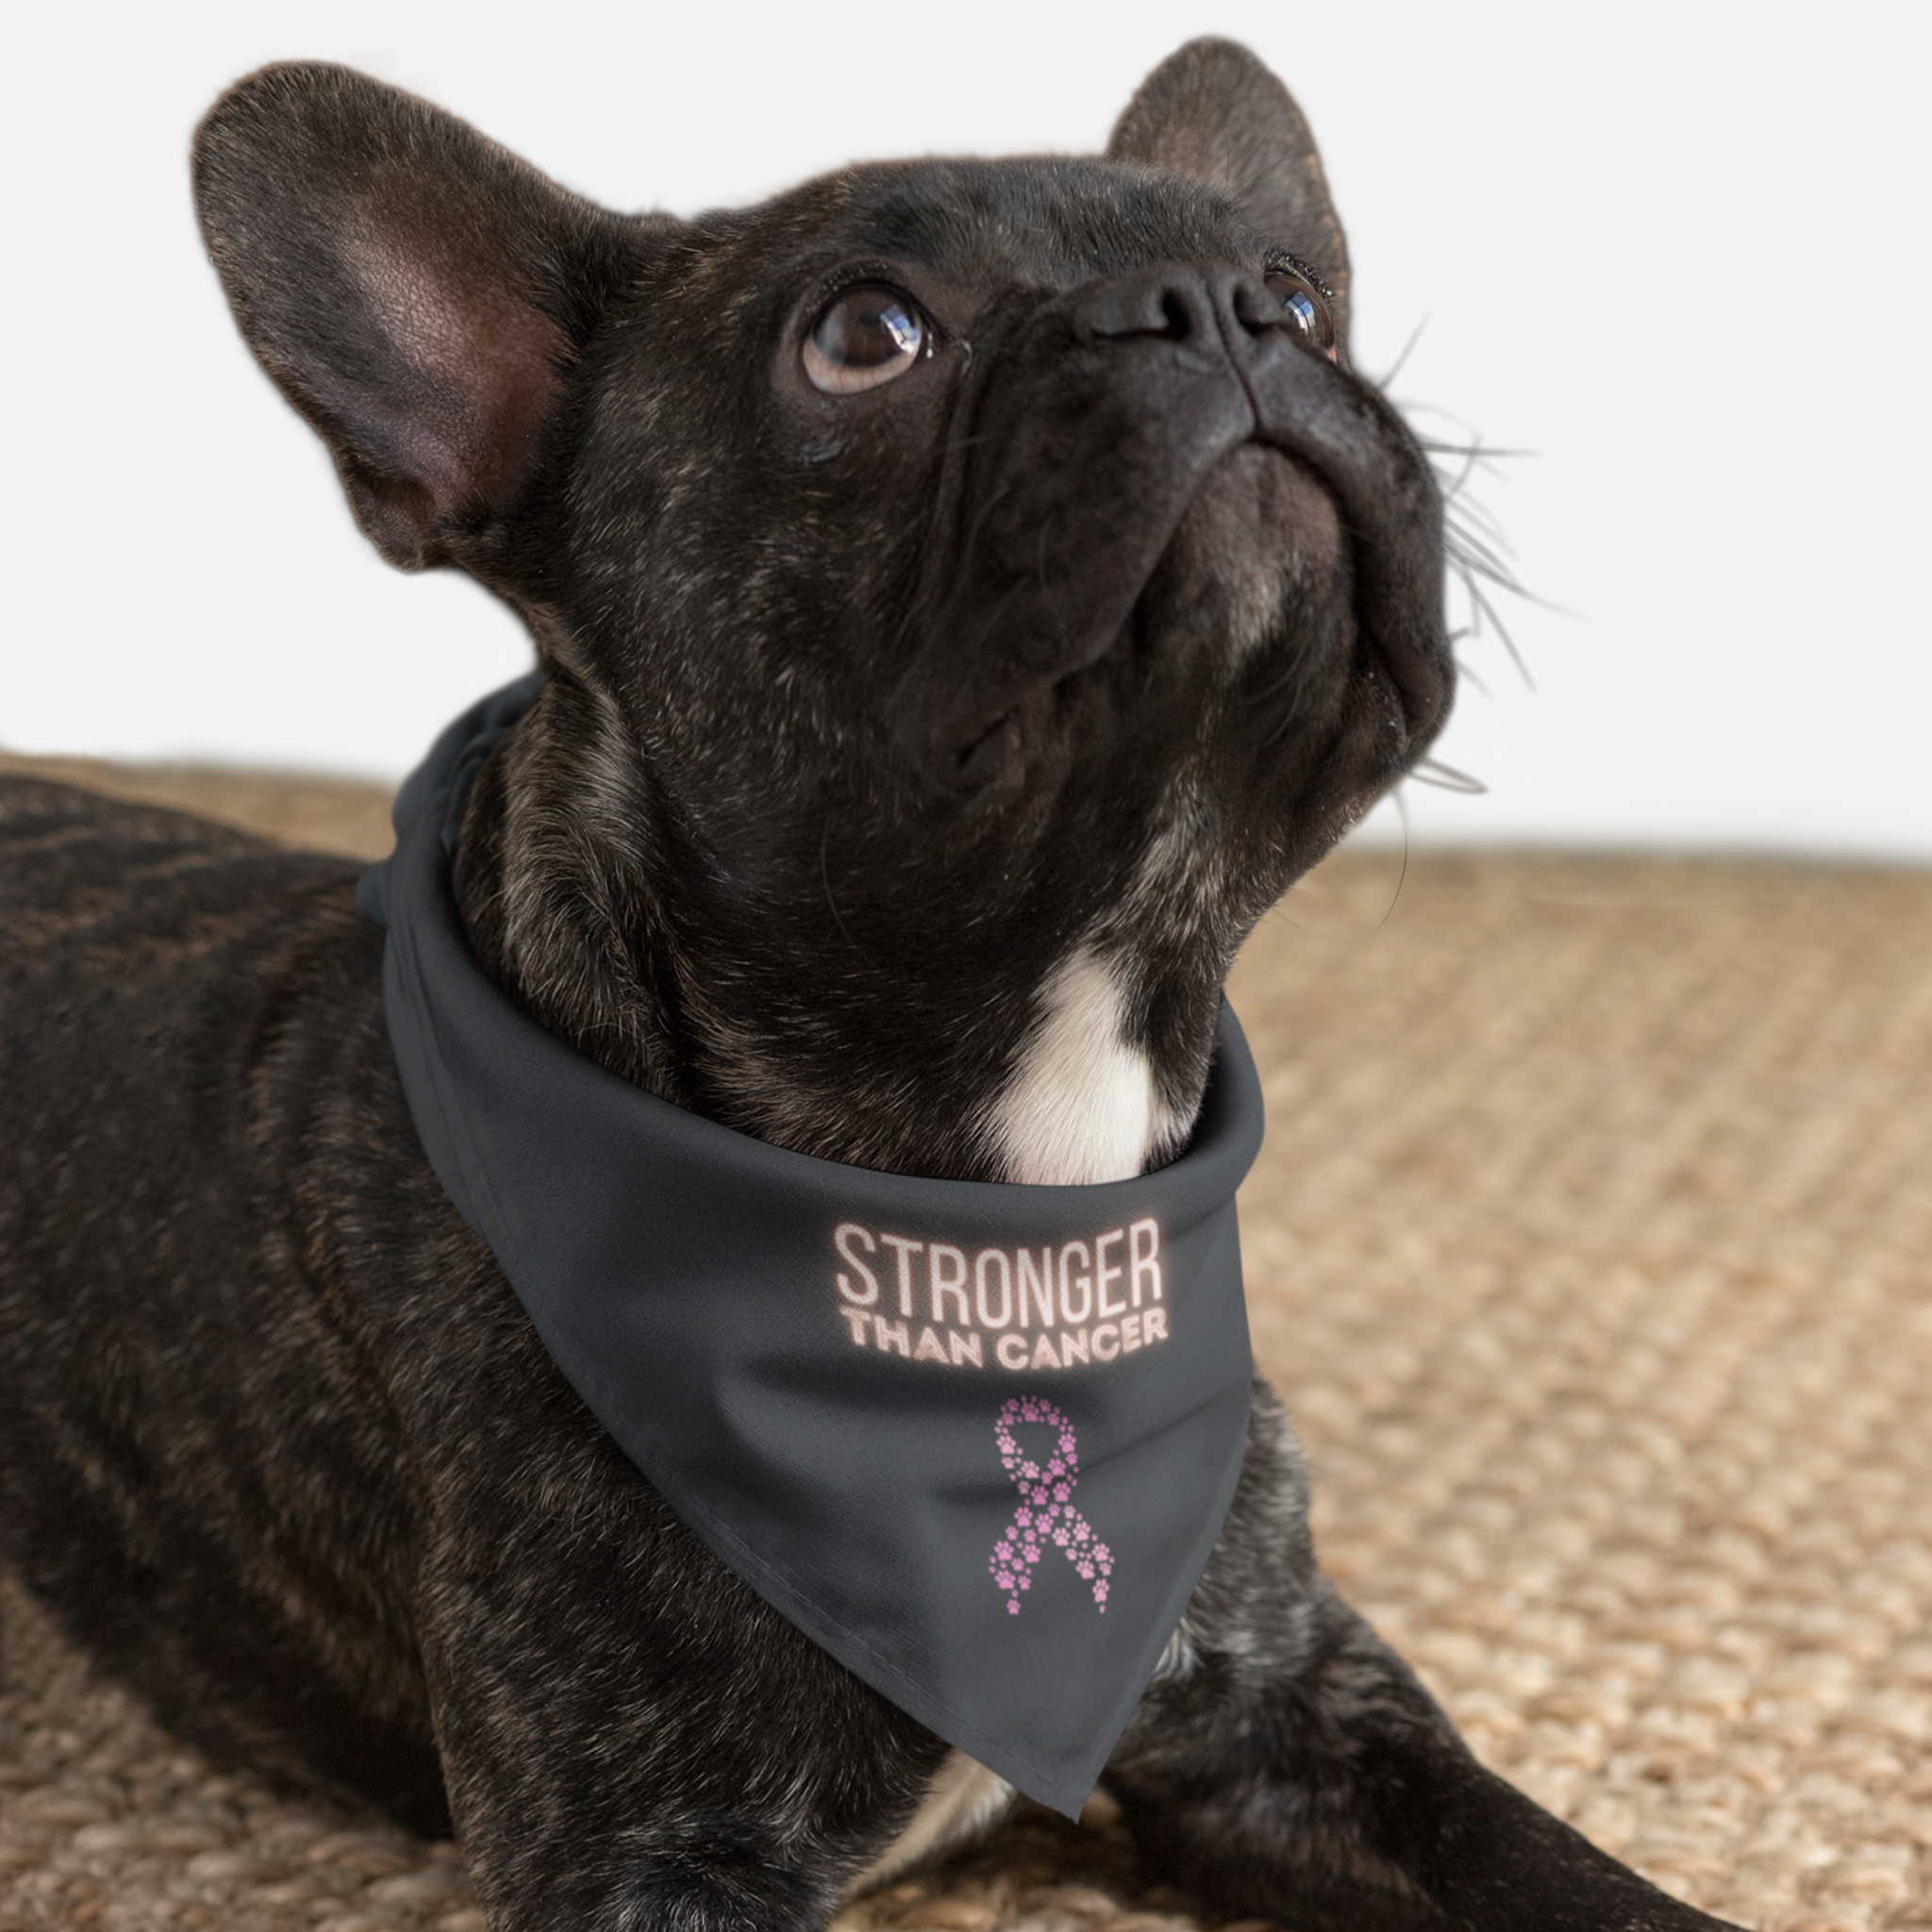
x=1092, y=632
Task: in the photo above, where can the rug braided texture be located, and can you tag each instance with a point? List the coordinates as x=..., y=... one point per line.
x=1592, y=1247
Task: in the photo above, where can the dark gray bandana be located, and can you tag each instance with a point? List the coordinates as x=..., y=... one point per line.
x=975, y=1441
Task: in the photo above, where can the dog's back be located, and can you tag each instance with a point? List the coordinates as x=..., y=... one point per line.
x=188, y=1017
x=158, y=970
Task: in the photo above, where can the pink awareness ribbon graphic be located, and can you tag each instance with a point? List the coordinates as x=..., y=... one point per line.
x=1047, y=1513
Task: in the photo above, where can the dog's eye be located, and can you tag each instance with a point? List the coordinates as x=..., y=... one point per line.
x=1306, y=309
x=866, y=337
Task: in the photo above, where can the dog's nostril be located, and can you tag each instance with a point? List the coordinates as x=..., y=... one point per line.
x=1160, y=305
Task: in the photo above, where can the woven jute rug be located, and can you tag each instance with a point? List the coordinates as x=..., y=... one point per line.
x=1591, y=1246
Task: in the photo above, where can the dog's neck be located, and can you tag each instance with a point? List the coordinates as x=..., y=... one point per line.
x=568, y=902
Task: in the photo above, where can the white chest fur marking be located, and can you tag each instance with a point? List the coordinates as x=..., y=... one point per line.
x=963, y=1799
x=1080, y=1106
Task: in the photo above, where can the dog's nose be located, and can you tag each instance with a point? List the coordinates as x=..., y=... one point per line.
x=1186, y=305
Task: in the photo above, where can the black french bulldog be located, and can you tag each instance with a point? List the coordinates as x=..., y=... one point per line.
x=973, y=591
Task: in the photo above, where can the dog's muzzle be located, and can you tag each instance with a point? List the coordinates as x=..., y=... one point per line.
x=1086, y=445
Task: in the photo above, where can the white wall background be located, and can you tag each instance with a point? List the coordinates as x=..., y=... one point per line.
x=1681, y=250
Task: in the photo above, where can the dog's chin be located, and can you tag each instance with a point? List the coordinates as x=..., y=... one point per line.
x=1259, y=561
x=1253, y=587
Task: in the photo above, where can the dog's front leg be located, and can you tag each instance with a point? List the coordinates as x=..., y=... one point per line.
x=630, y=1738
x=1286, y=1762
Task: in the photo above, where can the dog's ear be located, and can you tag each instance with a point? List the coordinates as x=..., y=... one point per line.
x=1212, y=112
x=415, y=290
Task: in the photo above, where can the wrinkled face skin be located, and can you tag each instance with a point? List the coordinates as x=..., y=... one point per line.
x=976, y=590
